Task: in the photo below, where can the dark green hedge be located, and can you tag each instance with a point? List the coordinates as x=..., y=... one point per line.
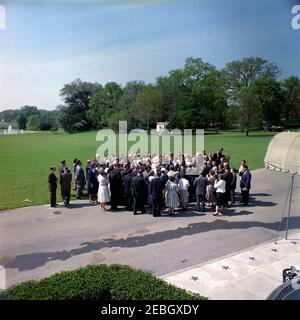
x=99, y=282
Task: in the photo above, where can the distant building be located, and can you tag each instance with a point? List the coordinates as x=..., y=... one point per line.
x=161, y=126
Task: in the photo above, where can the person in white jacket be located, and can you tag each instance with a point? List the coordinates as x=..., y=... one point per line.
x=103, y=190
x=220, y=186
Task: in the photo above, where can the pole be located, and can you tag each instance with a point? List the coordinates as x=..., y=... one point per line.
x=289, y=210
x=283, y=211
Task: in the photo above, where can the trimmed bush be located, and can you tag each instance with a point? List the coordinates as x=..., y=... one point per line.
x=99, y=282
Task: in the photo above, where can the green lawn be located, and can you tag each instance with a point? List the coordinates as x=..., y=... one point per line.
x=25, y=159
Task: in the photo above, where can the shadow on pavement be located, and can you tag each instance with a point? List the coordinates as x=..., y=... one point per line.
x=34, y=260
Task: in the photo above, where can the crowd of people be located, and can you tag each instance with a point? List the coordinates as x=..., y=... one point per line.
x=171, y=184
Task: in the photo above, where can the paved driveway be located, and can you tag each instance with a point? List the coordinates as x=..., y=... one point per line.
x=39, y=241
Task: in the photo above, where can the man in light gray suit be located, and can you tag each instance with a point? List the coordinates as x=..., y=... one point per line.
x=200, y=184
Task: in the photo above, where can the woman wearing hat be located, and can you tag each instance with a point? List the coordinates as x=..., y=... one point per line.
x=172, y=199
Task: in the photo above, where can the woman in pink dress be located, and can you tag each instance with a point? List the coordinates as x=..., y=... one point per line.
x=210, y=190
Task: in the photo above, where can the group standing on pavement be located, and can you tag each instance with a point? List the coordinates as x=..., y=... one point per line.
x=170, y=185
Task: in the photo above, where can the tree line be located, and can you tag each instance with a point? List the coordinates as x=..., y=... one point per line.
x=244, y=94
x=31, y=118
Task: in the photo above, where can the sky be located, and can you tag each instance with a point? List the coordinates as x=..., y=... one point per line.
x=48, y=43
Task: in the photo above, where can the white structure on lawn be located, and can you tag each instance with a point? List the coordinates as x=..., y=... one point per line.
x=10, y=130
x=161, y=127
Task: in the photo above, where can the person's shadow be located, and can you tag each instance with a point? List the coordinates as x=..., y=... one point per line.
x=234, y=212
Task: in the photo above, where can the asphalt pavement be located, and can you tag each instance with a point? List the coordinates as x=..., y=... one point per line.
x=38, y=241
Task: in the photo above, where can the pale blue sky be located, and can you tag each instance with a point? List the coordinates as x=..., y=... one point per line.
x=49, y=43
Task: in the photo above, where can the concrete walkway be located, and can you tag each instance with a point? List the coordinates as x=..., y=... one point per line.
x=251, y=275
x=38, y=241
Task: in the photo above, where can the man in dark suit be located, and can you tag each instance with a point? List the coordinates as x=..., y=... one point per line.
x=205, y=169
x=62, y=167
x=156, y=192
x=245, y=184
x=218, y=155
x=115, y=182
x=127, y=178
x=66, y=181
x=52, y=183
x=192, y=189
x=61, y=170
x=164, y=177
x=200, y=184
x=79, y=179
x=139, y=189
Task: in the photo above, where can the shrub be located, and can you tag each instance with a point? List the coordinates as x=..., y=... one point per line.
x=99, y=282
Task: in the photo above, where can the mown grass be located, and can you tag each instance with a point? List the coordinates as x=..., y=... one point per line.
x=25, y=159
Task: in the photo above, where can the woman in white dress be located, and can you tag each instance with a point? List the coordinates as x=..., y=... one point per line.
x=103, y=191
x=184, y=192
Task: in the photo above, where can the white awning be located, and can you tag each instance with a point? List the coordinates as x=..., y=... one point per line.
x=284, y=153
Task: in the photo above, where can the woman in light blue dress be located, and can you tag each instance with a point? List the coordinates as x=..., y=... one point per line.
x=172, y=199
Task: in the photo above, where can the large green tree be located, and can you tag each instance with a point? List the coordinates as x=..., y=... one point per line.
x=21, y=120
x=148, y=108
x=104, y=106
x=77, y=96
x=34, y=122
x=193, y=95
x=128, y=101
x=269, y=99
x=242, y=73
x=249, y=111
x=24, y=114
x=49, y=119
x=291, y=93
